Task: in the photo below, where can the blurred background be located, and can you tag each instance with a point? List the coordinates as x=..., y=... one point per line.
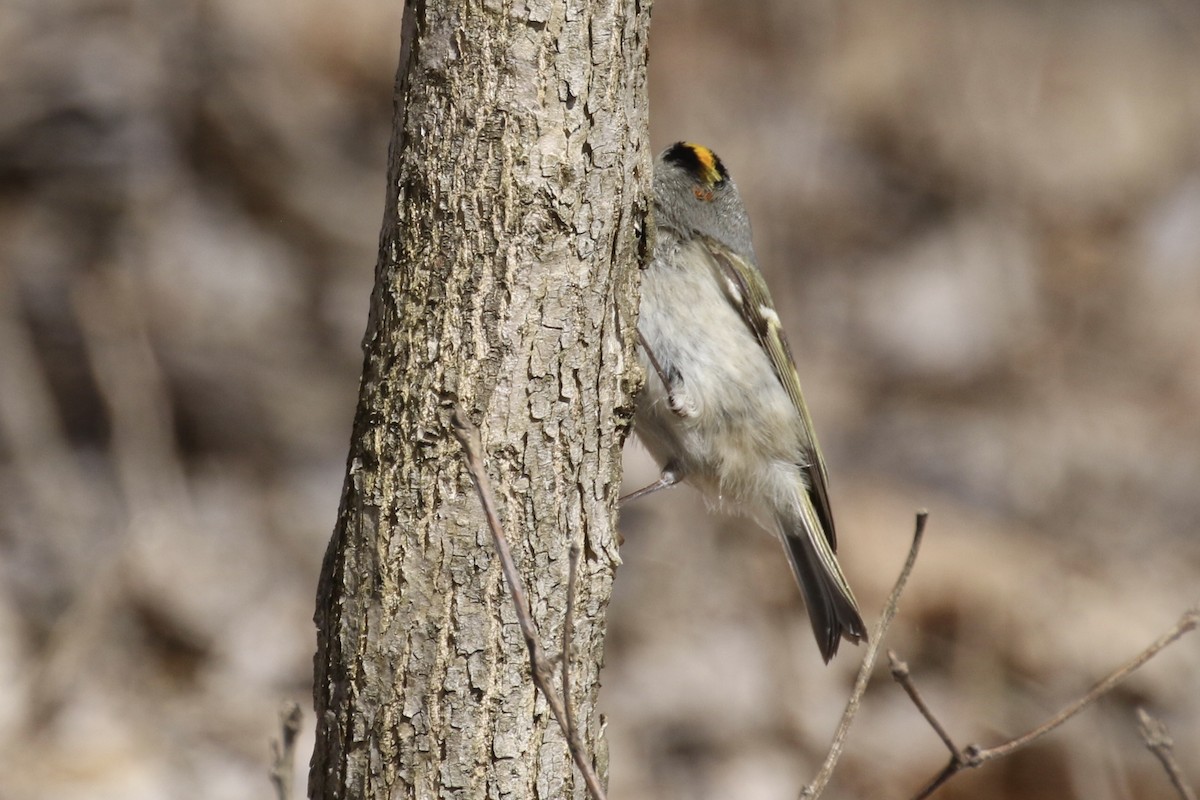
x=981, y=222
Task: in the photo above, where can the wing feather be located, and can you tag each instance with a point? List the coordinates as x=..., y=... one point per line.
x=753, y=301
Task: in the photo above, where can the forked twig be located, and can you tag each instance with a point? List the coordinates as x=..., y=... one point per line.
x=1158, y=741
x=468, y=436
x=974, y=755
x=814, y=789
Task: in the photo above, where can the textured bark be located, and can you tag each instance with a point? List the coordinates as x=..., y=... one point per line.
x=514, y=229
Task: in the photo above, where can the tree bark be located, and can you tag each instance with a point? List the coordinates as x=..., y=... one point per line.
x=514, y=228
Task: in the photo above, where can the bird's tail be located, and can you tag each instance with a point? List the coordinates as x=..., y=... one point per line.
x=832, y=609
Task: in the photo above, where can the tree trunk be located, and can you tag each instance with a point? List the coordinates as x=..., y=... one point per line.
x=514, y=227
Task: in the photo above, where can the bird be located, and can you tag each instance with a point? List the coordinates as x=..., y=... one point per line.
x=721, y=407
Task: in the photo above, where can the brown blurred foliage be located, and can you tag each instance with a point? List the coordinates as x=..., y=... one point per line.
x=982, y=225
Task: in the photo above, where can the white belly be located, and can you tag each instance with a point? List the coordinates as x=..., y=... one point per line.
x=740, y=429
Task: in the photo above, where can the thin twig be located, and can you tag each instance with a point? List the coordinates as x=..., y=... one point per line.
x=567, y=637
x=814, y=789
x=974, y=755
x=949, y=771
x=901, y=675
x=1158, y=741
x=1186, y=623
x=284, y=750
x=468, y=436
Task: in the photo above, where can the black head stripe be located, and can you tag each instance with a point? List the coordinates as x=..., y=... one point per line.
x=699, y=162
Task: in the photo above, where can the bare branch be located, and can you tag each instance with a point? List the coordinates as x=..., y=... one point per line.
x=974, y=755
x=901, y=675
x=567, y=636
x=814, y=789
x=1186, y=623
x=283, y=765
x=468, y=436
x=1158, y=741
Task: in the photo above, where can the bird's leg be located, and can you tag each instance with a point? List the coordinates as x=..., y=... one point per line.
x=676, y=399
x=670, y=476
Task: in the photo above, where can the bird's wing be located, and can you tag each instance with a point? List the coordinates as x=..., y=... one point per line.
x=748, y=293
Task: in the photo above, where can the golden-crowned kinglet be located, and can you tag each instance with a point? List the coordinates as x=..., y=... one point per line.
x=722, y=407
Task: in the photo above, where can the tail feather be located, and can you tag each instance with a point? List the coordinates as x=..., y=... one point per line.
x=832, y=609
